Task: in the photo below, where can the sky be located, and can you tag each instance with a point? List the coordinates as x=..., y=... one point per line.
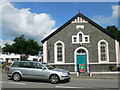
x=36, y=20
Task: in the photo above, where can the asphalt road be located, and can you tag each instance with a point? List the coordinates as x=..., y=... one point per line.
x=78, y=83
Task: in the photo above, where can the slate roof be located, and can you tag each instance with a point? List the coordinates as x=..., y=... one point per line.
x=89, y=21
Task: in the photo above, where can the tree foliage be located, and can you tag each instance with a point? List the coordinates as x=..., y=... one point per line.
x=113, y=29
x=23, y=46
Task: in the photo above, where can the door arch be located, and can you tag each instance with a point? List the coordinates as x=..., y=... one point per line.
x=81, y=57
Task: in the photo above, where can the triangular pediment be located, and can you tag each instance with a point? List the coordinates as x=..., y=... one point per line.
x=80, y=18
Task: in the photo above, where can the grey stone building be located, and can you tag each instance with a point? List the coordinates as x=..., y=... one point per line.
x=81, y=44
x=0, y=50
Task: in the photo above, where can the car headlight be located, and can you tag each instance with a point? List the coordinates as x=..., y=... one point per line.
x=64, y=74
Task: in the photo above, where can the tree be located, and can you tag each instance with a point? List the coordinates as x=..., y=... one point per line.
x=114, y=30
x=23, y=46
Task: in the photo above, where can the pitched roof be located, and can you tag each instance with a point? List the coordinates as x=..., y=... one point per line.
x=87, y=19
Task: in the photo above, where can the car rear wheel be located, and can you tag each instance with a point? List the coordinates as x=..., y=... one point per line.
x=54, y=79
x=16, y=77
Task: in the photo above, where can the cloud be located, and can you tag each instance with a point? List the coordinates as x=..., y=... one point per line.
x=51, y=31
x=116, y=11
x=109, y=20
x=2, y=42
x=16, y=22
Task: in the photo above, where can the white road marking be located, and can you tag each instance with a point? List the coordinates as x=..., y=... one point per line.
x=68, y=87
x=13, y=83
x=2, y=82
x=16, y=83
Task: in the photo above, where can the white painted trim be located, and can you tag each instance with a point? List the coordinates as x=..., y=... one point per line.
x=75, y=59
x=79, y=26
x=105, y=63
x=77, y=38
x=62, y=63
x=99, y=53
x=87, y=37
x=55, y=52
x=73, y=39
x=74, y=63
x=117, y=51
x=79, y=20
x=45, y=52
x=91, y=73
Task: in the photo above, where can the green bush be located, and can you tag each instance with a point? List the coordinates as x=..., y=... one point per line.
x=112, y=68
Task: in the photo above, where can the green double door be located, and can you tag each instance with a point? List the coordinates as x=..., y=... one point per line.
x=81, y=60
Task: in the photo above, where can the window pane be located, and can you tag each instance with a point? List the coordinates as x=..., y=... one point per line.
x=81, y=51
x=86, y=39
x=59, y=52
x=103, y=51
x=80, y=37
x=75, y=39
x=59, y=44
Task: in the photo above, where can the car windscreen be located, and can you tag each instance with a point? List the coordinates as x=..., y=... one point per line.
x=48, y=66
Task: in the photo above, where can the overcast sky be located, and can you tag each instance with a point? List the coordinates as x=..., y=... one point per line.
x=36, y=20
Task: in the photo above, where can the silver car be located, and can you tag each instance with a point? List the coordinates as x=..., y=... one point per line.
x=37, y=70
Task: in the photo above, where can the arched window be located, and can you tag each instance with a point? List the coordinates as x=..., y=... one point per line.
x=103, y=51
x=80, y=37
x=81, y=51
x=59, y=52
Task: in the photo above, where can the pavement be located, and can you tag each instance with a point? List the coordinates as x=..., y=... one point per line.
x=94, y=77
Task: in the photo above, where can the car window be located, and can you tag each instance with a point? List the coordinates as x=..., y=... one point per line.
x=23, y=64
x=27, y=65
x=48, y=66
x=15, y=64
x=39, y=66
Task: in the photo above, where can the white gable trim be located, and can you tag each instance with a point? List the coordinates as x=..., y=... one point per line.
x=117, y=51
x=45, y=51
x=79, y=20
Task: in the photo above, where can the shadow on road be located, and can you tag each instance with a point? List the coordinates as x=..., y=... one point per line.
x=38, y=81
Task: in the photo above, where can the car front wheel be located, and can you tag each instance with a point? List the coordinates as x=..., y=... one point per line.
x=54, y=79
x=16, y=77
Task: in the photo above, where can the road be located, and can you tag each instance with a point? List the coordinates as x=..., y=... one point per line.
x=81, y=83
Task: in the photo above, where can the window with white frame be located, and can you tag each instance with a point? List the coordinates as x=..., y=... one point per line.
x=80, y=38
x=59, y=52
x=75, y=39
x=103, y=51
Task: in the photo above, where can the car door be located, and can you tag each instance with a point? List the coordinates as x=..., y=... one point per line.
x=25, y=69
x=40, y=72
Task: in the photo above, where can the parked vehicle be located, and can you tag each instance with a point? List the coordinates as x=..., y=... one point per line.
x=37, y=70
